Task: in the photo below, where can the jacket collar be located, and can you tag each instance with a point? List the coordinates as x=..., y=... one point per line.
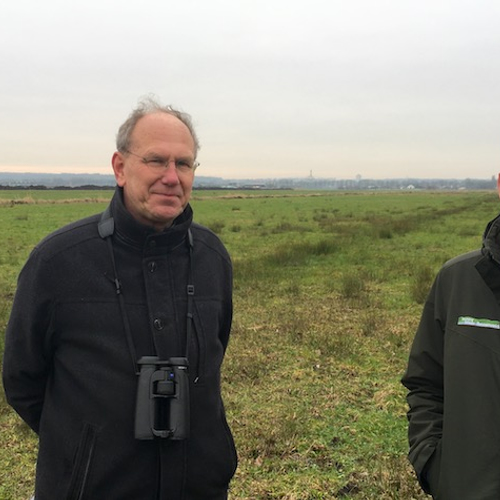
x=491, y=240
x=133, y=233
x=489, y=265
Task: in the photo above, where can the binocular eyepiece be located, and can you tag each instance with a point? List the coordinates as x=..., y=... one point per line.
x=162, y=406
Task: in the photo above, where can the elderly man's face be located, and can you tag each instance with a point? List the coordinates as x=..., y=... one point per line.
x=157, y=173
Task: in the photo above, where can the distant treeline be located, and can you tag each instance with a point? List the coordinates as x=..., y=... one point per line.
x=92, y=187
x=18, y=181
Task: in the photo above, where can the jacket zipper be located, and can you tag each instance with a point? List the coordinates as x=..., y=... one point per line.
x=82, y=463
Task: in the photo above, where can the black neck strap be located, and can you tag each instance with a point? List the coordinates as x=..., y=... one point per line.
x=106, y=228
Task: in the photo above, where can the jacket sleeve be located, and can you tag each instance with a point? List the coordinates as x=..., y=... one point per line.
x=225, y=329
x=26, y=361
x=424, y=380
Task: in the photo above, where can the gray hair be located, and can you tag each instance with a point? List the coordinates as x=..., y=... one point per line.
x=146, y=106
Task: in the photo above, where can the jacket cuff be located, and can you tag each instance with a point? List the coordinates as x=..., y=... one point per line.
x=429, y=478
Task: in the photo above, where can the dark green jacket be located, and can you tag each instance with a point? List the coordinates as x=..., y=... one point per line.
x=453, y=377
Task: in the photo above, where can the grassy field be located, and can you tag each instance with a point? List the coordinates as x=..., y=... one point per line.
x=328, y=292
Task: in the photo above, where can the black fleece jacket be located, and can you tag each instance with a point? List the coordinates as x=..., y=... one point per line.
x=68, y=370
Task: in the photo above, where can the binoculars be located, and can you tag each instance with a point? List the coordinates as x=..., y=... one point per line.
x=162, y=406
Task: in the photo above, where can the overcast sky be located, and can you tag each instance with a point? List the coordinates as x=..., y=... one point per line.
x=276, y=88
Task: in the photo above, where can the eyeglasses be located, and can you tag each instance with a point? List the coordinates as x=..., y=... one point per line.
x=158, y=163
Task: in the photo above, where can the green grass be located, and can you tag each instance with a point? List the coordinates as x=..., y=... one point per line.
x=328, y=294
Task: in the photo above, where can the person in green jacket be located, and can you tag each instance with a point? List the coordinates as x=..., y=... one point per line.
x=453, y=378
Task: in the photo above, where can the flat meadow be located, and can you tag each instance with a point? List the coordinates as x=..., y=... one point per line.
x=328, y=290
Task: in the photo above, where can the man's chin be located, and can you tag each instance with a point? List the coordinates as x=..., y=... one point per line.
x=169, y=215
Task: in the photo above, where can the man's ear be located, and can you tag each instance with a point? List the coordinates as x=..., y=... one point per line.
x=118, y=163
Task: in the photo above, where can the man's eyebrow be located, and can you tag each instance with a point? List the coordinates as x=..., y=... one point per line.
x=153, y=154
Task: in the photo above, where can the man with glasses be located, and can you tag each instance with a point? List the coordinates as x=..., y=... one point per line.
x=118, y=331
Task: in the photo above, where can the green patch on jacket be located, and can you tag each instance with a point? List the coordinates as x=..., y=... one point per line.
x=480, y=322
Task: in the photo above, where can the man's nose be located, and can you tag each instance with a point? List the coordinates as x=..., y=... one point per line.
x=170, y=174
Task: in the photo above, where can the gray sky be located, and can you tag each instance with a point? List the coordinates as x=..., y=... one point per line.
x=276, y=88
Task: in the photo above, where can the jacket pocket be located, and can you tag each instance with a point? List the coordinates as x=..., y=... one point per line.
x=198, y=343
x=486, y=337
x=212, y=458
x=206, y=338
x=82, y=463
